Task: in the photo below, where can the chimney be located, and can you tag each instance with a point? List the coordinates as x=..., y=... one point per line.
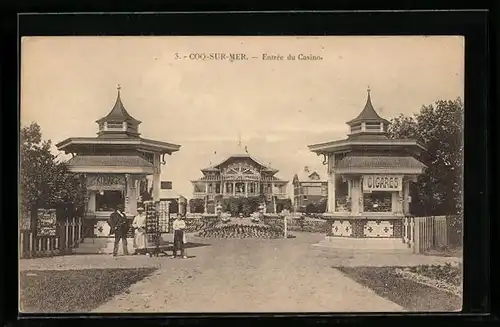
x=306, y=169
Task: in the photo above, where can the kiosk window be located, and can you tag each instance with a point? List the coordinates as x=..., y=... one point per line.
x=108, y=200
x=377, y=202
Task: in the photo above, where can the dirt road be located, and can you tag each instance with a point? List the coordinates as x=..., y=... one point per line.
x=248, y=275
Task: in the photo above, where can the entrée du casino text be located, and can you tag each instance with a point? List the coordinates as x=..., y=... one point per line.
x=222, y=56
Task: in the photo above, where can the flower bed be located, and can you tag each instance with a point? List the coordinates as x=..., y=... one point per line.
x=243, y=231
x=198, y=224
x=408, y=293
x=274, y=221
x=309, y=225
x=444, y=277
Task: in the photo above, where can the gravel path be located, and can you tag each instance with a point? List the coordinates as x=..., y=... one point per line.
x=248, y=276
x=245, y=275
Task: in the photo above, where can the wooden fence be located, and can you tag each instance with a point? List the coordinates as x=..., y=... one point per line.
x=69, y=234
x=427, y=233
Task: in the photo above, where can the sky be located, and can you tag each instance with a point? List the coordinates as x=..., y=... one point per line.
x=275, y=107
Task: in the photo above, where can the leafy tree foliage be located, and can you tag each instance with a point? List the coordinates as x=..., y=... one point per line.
x=246, y=206
x=439, y=127
x=45, y=181
x=284, y=204
x=197, y=205
x=316, y=207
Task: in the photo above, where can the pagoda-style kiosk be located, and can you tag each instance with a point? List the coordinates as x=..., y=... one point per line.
x=115, y=165
x=369, y=178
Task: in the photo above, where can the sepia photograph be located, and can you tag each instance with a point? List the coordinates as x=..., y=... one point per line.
x=241, y=174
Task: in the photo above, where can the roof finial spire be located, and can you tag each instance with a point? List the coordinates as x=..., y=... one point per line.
x=368, y=90
x=119, y=87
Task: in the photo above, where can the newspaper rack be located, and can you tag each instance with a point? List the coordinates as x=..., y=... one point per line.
x=156, y=225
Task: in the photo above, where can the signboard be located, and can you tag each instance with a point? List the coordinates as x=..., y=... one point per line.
x=388, y=183
x=46, y=222
x=103, y=182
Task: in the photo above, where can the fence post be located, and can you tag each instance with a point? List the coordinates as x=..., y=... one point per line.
x=66, y=238
x=79, y=230
x=21, y=244
x=73, y=232
x=405, y=230
x=39, y=248
x=416, y=235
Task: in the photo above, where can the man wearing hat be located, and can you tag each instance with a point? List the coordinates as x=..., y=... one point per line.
x=139, y=225
x=119, y=226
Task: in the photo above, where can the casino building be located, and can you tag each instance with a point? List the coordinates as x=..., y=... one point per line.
x=115, y=165
x=369, y=178
x=239, y=175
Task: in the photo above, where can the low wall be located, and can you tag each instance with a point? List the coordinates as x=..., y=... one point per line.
x=312, y=225
x=365, y=227
x=298, y=224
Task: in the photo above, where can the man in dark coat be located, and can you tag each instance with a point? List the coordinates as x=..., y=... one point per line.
x=119, y=226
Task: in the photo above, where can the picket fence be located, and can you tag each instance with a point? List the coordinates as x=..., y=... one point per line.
x=427, y=233
x=69, y=234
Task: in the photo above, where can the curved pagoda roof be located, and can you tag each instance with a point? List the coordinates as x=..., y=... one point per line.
x=122, y=133
x=368, y=138
x=368, y=114
x=118, y=113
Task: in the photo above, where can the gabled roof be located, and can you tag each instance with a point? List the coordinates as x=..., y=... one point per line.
x=306, y=174
x=368, y=114
x=118, y=113
x=216, y=167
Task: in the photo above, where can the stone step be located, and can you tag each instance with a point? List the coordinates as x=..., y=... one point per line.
x=104, y=246
x=80, y=250
x=390, y=245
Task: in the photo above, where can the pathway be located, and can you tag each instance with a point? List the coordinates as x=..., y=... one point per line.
x=250, y=276
x=244, y=275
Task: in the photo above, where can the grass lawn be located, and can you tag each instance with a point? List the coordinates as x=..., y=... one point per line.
x=408, y=294
x=59, y=291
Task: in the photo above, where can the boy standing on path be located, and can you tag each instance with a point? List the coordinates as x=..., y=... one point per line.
x=179, y=226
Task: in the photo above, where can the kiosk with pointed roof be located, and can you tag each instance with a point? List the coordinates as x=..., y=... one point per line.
x=115, y=165
x=369, y=176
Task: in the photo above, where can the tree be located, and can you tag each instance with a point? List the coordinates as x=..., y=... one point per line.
x=321, y=206
x=284, y=204
x=311, y=208
x=234, y=206
x=439, y=127
x=196, y=205
x=45, y=181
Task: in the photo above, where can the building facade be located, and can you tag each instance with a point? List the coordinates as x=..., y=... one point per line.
x=309, y=187
x=369, y=177
x=239, y=175
x=115, y=165
x=177, y=202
